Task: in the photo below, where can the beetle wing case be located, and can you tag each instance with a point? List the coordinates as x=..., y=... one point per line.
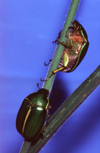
x=32, y=115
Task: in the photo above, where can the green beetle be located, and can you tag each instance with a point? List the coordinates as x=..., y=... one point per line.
x=75, y=48
x=32, y=114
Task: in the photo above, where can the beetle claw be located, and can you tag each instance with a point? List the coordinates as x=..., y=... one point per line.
x=48, y=77
x=56, y=41
x=44, y=80
x=48, y=63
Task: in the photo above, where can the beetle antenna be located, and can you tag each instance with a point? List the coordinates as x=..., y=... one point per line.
x=48, y=63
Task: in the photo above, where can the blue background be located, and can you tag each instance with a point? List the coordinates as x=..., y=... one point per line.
x=27, y=29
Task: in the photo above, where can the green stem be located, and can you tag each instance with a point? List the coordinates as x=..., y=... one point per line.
x=70, y=17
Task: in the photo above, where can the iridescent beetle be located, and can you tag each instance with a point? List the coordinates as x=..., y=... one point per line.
x=32, y=114
x=75, y=48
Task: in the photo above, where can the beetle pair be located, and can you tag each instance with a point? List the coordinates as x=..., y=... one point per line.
x=33, y=111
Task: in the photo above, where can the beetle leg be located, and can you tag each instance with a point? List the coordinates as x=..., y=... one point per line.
x=67, y=31
x=59, y=35
x=71, y=42
x=44, y=80
x=48, y=63
x=53, y=72
x=56, y=41
x=69, y=46
x=60, y=69
x=73, y=28
x=48, y=77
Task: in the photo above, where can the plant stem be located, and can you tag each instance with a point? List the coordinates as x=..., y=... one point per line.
x=70, y=17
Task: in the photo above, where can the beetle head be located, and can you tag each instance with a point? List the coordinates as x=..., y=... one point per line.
x=43, y=91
